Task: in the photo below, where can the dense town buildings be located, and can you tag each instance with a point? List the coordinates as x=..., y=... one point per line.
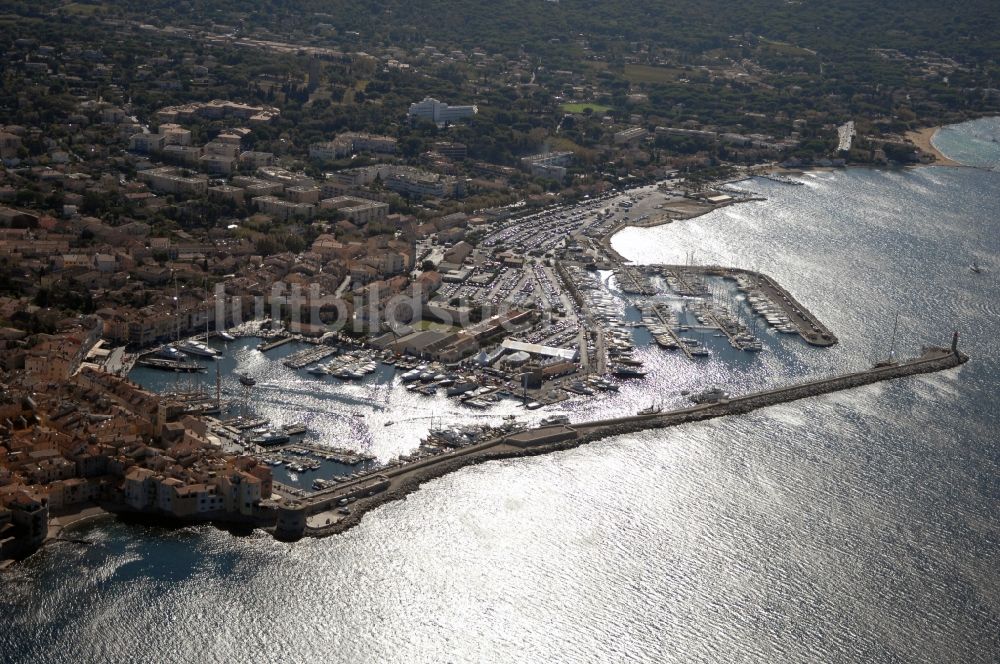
x=192, y=182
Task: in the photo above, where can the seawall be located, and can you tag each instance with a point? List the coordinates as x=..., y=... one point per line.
x=405, y=480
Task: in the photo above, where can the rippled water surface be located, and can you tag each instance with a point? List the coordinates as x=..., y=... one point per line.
x=856, y=527
x=975, y=143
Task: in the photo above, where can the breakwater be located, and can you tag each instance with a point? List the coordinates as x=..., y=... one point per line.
x=399, y=482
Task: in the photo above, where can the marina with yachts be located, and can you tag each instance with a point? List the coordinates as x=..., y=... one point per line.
x=590, y=324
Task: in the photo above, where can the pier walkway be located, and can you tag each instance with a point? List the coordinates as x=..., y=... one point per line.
x=276, y=343
x=673, y=335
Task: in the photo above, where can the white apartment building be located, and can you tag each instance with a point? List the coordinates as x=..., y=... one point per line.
x=439, y=112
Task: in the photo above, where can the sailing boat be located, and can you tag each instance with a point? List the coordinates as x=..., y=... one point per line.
x=975, y=267
x=200, y=349
x=891, y=359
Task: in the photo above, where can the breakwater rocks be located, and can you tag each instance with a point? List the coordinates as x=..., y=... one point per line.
x=412, y=481
x=553, y=439
x=932, y=360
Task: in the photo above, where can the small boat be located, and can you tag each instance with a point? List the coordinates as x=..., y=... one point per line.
x=248, y=380
x=294, y=429
x=389, y=423
x=975, y=268
x=553, y=420
x=476, y=403
x=652, y=410
x=225, y=336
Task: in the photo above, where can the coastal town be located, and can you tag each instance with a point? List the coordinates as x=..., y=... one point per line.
x=80, y=432
x=147, y=226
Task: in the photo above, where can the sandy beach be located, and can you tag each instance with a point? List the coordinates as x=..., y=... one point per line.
x=922, y=139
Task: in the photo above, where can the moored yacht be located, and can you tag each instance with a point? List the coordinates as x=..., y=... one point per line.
x=170, y=353
x=294, y=429
x=271, y=438
x=627, y=372
x=197, y=348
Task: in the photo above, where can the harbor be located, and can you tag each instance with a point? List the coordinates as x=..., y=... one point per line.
x=743, y=481
x=597, y=332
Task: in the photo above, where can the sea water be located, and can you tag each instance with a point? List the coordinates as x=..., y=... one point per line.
x=859, y=526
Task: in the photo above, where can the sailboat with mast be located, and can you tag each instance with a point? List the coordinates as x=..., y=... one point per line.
x=891, y=359
x=198, y=348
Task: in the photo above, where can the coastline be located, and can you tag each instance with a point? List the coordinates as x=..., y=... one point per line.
x=922, y=139
x=58, y=524
x=589, y=431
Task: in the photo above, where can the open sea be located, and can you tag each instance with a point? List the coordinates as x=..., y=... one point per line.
x=862, y=526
